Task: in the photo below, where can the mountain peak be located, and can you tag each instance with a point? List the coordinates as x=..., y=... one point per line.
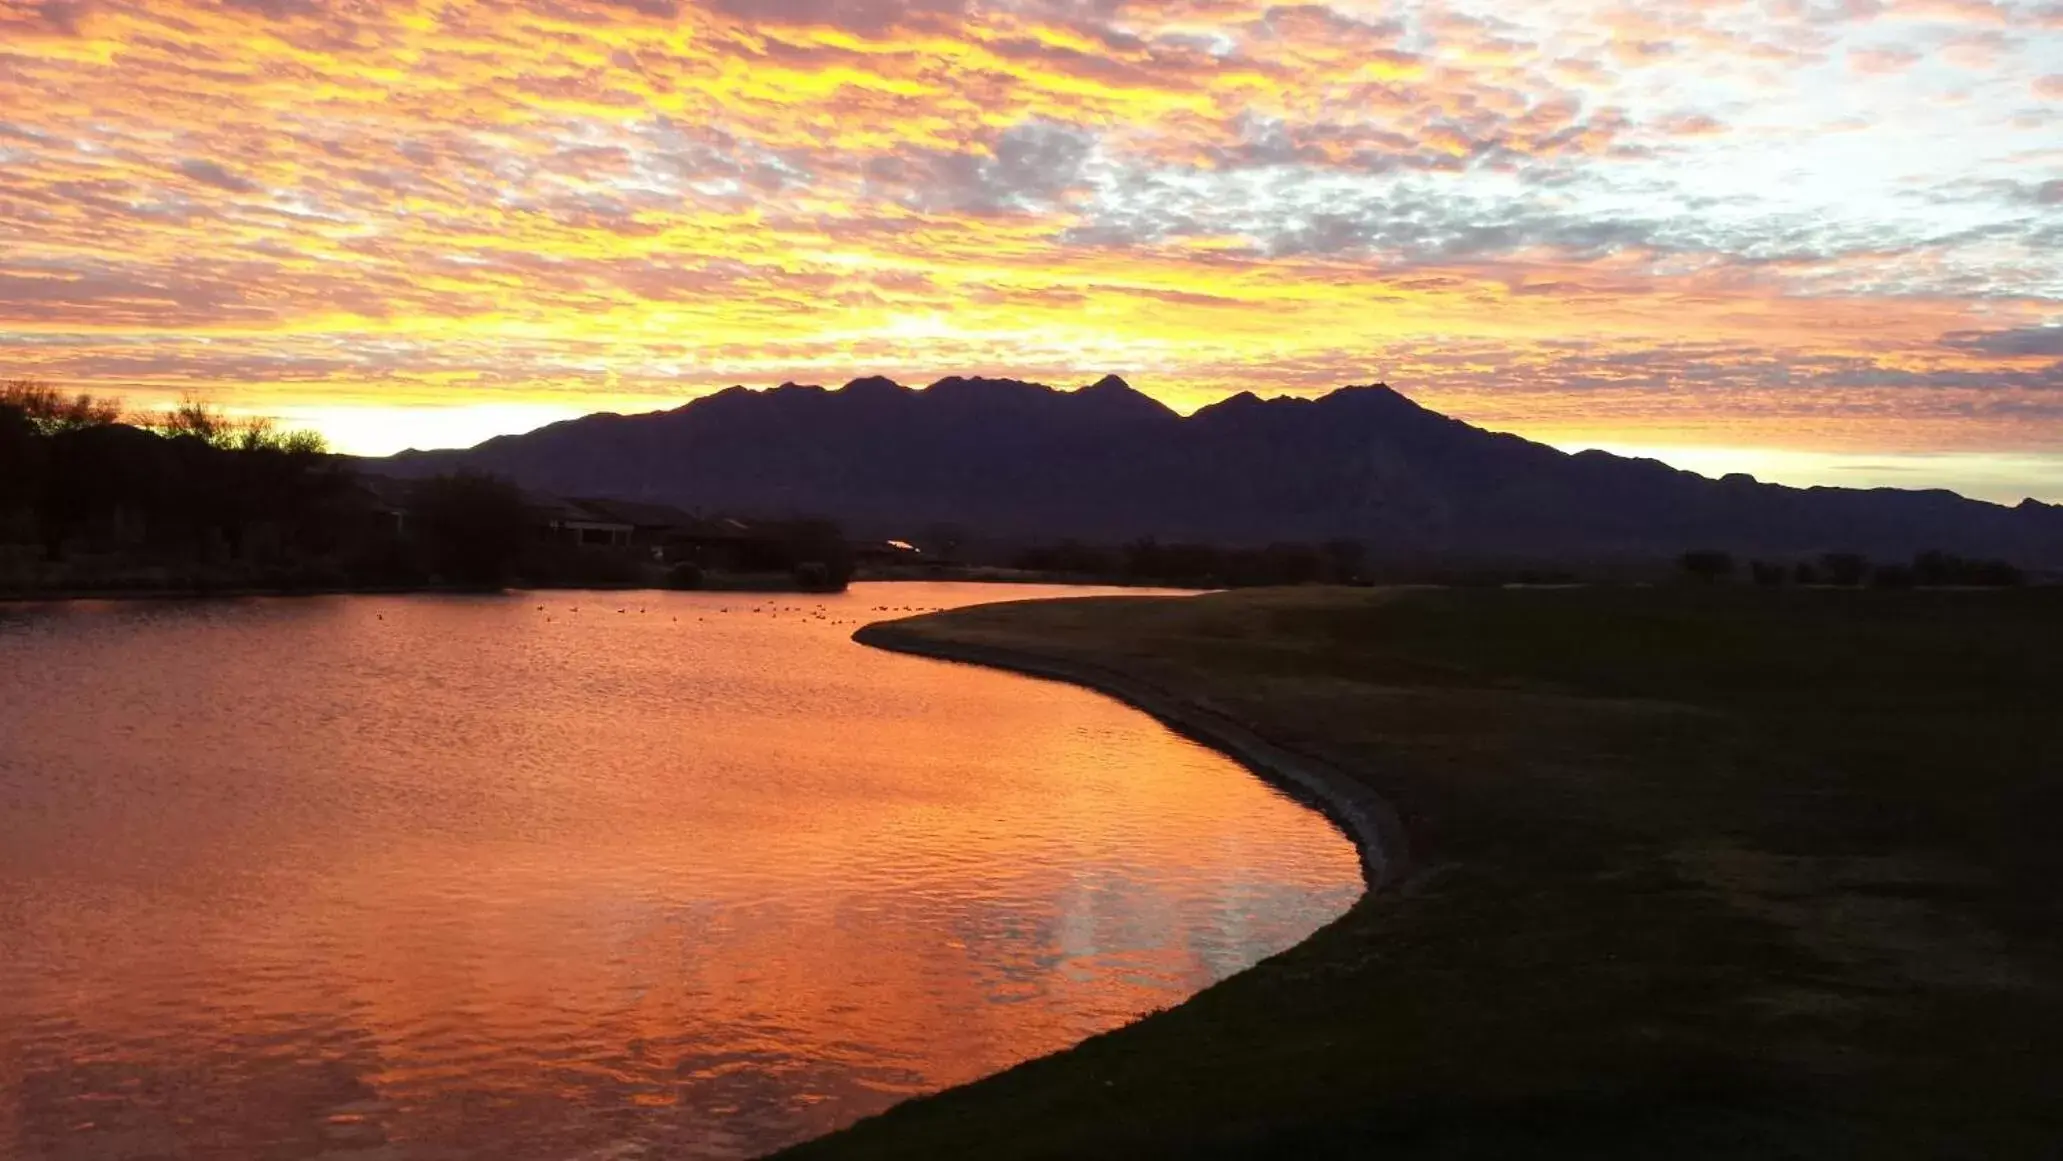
x=1371, y=394
x=1114, y=397
x=874, y=387
x=977, y=384
x=1243, y=403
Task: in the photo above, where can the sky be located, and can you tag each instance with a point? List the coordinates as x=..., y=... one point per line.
x=1816, y=240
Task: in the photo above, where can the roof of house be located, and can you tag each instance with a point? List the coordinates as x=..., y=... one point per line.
x=387, y=492
x=722, y=528
x=638, y=514
x=671, y=521
x=562, y=511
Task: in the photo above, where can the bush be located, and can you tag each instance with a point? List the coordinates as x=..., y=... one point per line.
x=475, y=526
x=1708, y=565
x=815, y=576
x=1068, y=557
x=1942, y=568
x=1847, y=569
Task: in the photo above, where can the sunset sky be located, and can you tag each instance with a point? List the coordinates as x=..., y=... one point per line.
x=1819, y=241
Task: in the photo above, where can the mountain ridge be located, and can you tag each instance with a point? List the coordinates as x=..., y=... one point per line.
x=1024, y=460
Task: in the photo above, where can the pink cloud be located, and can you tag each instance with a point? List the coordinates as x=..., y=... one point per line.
x=1881, y=61
x=1692, y=125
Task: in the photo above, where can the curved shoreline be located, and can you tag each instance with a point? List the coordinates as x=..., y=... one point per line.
x=1366, y=818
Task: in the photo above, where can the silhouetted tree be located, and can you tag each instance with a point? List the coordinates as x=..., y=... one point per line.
x=92, y=474
x=1805, y=573
x=21, y=473
x=1766, y=574
x=192, y=418
x=473, y=526
x=789, y=545
x=1148, y=561
x=44, y=486
x=49, y=412
x=1708, y=565
x=1152, y=562
x=1847, y=569
x=1346, y=560
x=820, y=556
x=1942, y=568
x=1072, y=557
x=1278, y=564
x=196, y=418
x=943, y=542
x=1937, y=568
x=1996, y=574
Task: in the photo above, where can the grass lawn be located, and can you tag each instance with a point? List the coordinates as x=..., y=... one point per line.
x=1694, y=872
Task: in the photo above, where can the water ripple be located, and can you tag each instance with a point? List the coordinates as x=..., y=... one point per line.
x=410, y=879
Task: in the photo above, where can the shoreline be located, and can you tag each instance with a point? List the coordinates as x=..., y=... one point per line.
x=1668, y=869
x=63, y=596
x=1366, y=818
x=748, y=585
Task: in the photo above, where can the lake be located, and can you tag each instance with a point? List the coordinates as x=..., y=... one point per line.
x=581, y=875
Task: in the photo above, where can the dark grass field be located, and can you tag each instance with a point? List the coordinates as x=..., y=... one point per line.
x=1696, y=872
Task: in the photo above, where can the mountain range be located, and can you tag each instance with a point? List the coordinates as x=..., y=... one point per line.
x=1106, y=463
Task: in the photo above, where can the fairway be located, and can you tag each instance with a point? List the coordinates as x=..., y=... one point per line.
x=1698, y=871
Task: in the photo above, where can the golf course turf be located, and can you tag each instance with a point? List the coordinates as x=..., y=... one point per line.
x=1698, y=871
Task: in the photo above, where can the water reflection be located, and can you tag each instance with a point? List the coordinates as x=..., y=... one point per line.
x=402, y=878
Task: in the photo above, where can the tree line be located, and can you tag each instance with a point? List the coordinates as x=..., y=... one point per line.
x=189, y=484
x=1150, y=562
x=1931, y=569
x=94, y=497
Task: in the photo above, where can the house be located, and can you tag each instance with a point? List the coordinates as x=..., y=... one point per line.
x=725, y=544
x=578, y=523
x=674, y=536
x=383, y=500
x=666, y=534
x=652, y=526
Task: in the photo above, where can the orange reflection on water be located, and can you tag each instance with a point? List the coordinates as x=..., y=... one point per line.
x=463, y=877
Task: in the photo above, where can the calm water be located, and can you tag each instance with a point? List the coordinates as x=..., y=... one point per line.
x=374, y=879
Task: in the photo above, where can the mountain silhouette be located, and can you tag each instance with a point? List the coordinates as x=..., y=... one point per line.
x=1107, y=463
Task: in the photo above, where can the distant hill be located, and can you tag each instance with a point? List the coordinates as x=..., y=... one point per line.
x=1107, y=463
